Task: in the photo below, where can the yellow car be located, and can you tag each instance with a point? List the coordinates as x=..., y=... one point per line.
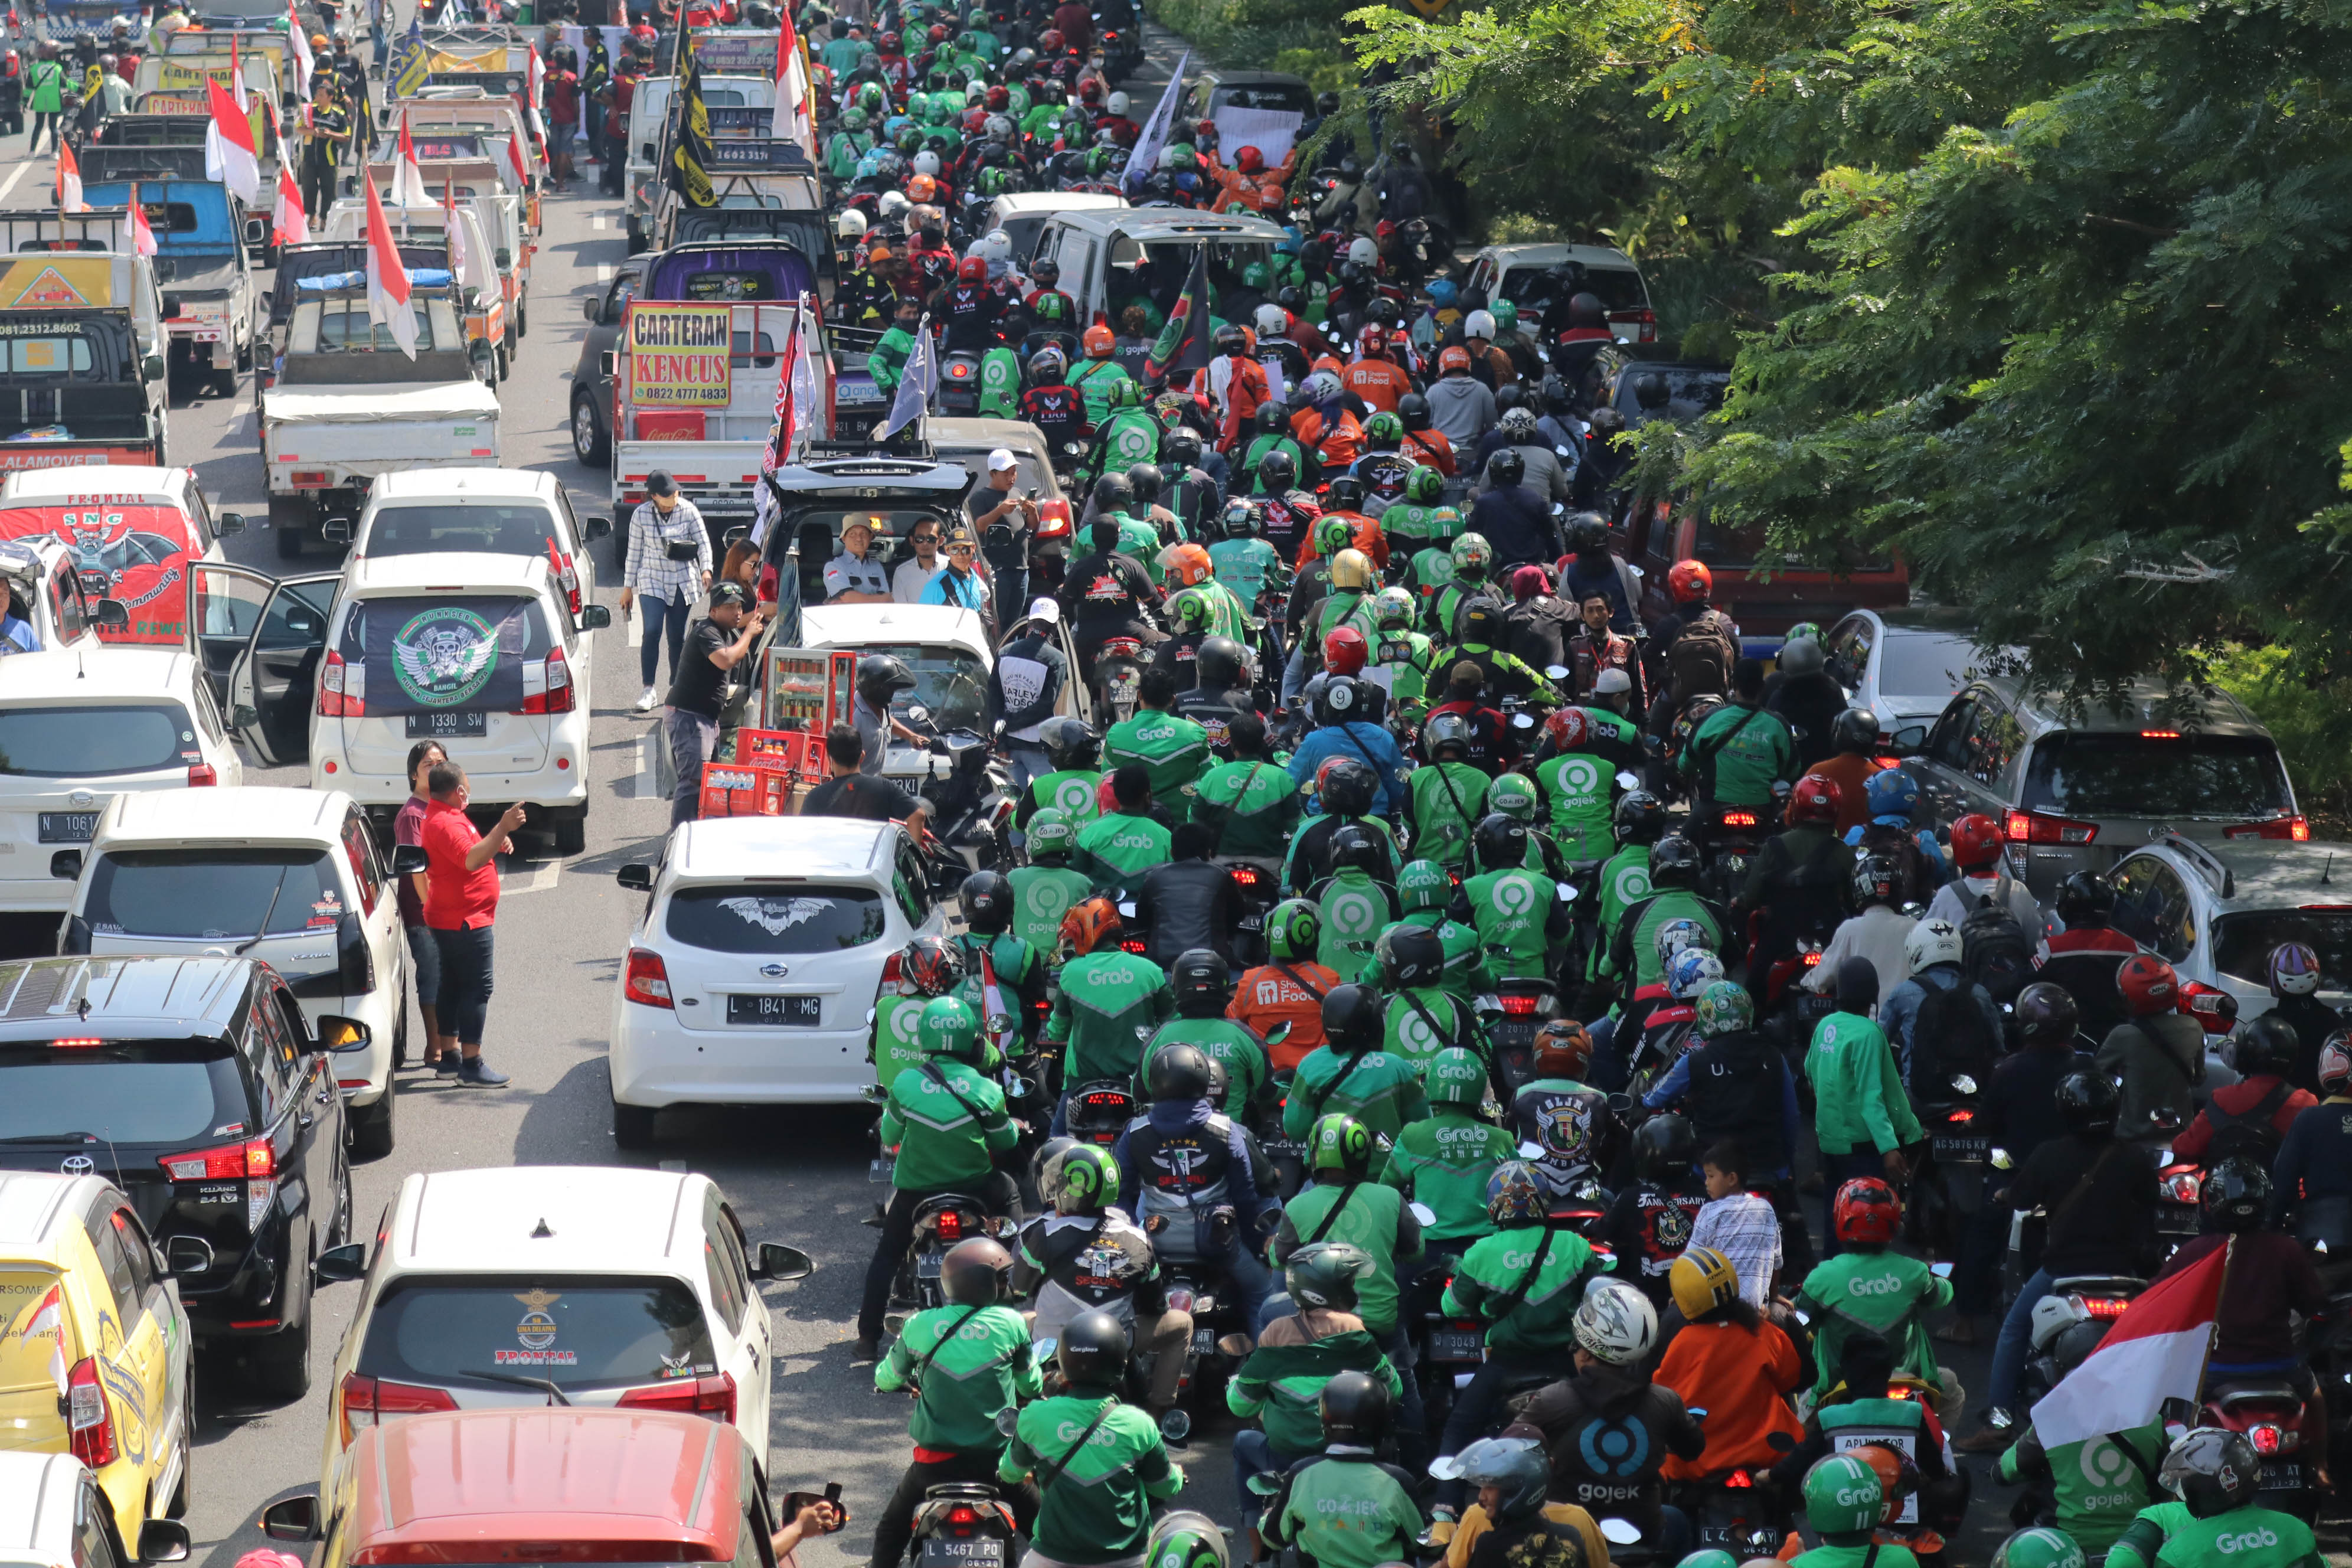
x=94, y=1344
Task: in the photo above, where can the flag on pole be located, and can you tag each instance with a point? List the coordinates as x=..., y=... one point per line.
x=291, y=223
x=142, y=238
x=70, y=182
x=387, y=279
x=1154, y=135
x=407, y=177
x=230, y=156
x=298, y=44
x=237, y=77
x=2155, y=1352
x=519, y=163
x=411, y=62
x=1183, y=346
x=791, y=121
x=916, y=384
x=690, y=158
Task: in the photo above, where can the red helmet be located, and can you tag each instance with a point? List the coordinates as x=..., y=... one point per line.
x=1975, y=841
x=887, y=43
x=1866, y=1214
x=1344, y=650
x=1090, y=89
x=975, y=120
x=973, y=270
x=1249, y=160
x=2148, y=984
x=1562, y=1049
x=1205, y=131
x=1568, y=729
x=1373, y=339
x=932, y=966
x=1051, y=42
x=938, y=33
x=1458, y=358
x=1689, y=582
x=1814, y=799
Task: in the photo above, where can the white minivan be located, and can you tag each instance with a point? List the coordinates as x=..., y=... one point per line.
x=491, y=511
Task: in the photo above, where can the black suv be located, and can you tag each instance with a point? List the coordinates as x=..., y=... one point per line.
x=193, y=1085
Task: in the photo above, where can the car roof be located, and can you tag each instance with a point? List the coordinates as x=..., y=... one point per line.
x=732, y=848
x=34, y=1205
x=1228, y=79
x=653, y=1486
x=2263, y=873
x=40, y=484
x=2146, y=702
x=1164, y=223
x=116, y=673
x=856, y=625
x=129, y=998
x=1022, y=204
x=459, y=483
x=959, y=435
x=36, y=1491
x=859, y=475
x=546, y=1218
x=449, y=570
x=257, y=814
x=1551, y=254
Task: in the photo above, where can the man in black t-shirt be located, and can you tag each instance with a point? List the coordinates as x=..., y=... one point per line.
x=713, y=647
x=849, y=793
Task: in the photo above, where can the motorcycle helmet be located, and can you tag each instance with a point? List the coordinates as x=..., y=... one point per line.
x=1323, y=1275
x=1701, y=1281
x=1690, y=972
x=2234, y=1195
x=1345, y=492
x=1384, y=432
x=1340, y=702
x=1344, y=650
x=1866, y=1213
x=1090, y=926
x=986, y=900
x=1855, y=730
x=1181, y=448
x=1354, y=1406
x=1569, y=729
x=1801, y=657
x=1352, y=572
x=1445, y=734
x=2213, y=1469
x=1455, y=1076
x=1877, y=878
x=1079, y=1178
x=2264, y=1045
x=1562, y=1049
x=1219, y=664
x=1411, y=957
x=2088, y=1102
x=1070, y=744
x=1482, y=624
x=948, y=1027
x=2335, y=1064
x=1814, y=799
x=976, y=1273
x=1516, y=1195
x=1187, y=1540
x=1616, y=1324
x=2147, y=982
x=1471, y=555
x=932, y=966
x=1093, y=1352
x=1412, y=412
x=1294, y=930
x=1339, y=1143
x=1500, y=842
x=1392, y=609
x=1976, y=841
x=1277, y=472
x=1202, y=981
x=1113, y=494
x=1664, y=1147
x=881, y=678
x=1930, y=942
x=1051, y=837
x=1512, y=795
x=1690, y=581
x=1423, y=884
x=1179, y=1070
x=1346, y=785
x=1843, y=1497
x=1890, y=794
x=1143, y=482
x=1352, y=1018
x=1676, y=936
x=1723, y=1008
x=2086, y=899
x=1331, y=535
x=1506, y=467
x=1516, y=1468
x=1189, y=610
x=1518, y=426
x=1640, y=818
x=1673, y=862
x=2047, y=1012
x=2040, y=1547
x=2293, y=970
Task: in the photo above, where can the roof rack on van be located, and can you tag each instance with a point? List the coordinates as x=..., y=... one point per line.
x=2207, y=863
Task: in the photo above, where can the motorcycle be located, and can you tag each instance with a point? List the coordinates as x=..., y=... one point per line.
x=1515, y=1012
x=960, y=384
x=1790, y=1009
x=1118, y=679
x=2098, y=1298
x=1733, y=1511
x=1258, y=881
x=1217, y=1312
x=942, y=1221
x=2275, y=1420
x=1729, y=838
x=971, y=804
x=1949, y=1191
x=1097, y=1112
x=962, y=1524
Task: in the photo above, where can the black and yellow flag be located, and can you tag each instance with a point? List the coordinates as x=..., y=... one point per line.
x=690, y=159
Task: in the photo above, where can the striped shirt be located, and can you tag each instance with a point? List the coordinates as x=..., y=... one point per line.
x=650, y=570
x=1747, y=1231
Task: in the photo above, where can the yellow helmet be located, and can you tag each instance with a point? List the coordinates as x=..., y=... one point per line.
x=1702, y=1280
x=1352, y=570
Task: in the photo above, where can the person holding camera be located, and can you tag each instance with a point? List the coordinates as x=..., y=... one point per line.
x=994, y=502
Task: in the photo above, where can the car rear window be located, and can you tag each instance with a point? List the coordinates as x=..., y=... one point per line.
x=95, y=740
x=768, y=918
x=446, y=652
x=1619, y=288
x=213, y=893
x=951, y=684
x=126, y=1091
x=1924, y=666
x=2126, y=775
x=468, y=529
x=1027, y=474
x=2243, y=943
x=575, y=1332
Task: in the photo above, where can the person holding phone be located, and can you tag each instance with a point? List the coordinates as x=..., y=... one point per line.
x=808, y=1516
x=716, y=646
x=668, y=568
x=461, y=906
x=1007, y=523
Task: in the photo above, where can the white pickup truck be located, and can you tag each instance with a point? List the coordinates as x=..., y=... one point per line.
x=347, y=406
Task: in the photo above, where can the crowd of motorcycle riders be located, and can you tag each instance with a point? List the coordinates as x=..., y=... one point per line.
x=1419, y=1021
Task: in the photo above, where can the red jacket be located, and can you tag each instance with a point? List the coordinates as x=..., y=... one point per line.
x=2237, y=1100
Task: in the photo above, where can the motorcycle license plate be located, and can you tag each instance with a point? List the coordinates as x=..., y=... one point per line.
x=2282, y=1476
x=1955, y=1150
x=978, y=1550
x=1204, y=1342
x=927, y=1265
x=1454, y=1345
x=2176, y=1219
x=1253, y=922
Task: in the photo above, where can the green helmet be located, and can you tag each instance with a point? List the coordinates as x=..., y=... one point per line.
x=1723, y=1008
x=937, y=110
x=1842, y=1497
x=1181, y=157
x=1445, y=521
x=1050, y=833
x=1191, y=611
x=1324, y=1274
x=1257, y=275
x=1424, y=484
x=1338, y=1141
x=1384, y=430
x=1082, y=1179
x=872, y=98
x=1186, y=1539
x=948, y=1027
x=1124, y=393
x=1393, y=607
x=1514, y=796
x=1505, y=314
x=1454, y=1076
x=1713, y=1557
x=1333, y=534
x=911, y=137
x=1423, y=884
x=1292, y=933
x=852, y=119
x=1471, y=555
x=2040, y=1547
x=995, y=182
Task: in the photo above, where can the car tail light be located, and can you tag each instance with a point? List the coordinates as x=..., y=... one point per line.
x=2297, y=829
x=367, y=1400
x=254, y=1160
x=713, y=1396
x=76, y=1042
x=2039, y=827
x=343, y=688
x=309, y=478
x=648, y=982
x=556, y=693
x=1052, y=519
x=86, y=1416
x=1517, y=1006
x=2214, y=1008
x=1739, y=819
x=1644, y=322
x=202, y=776
x=772, y=584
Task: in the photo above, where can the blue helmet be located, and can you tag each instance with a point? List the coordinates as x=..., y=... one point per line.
x=1690, y=972
x=1442, y=294
x=1891, y=793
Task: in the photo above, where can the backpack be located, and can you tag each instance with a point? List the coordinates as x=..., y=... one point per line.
x=1695, y=659
x=1949, y=1035
x=2247, y=1134
x=1994, y=953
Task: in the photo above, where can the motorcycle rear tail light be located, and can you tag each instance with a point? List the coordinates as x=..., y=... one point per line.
x=1737, y=1479
x=1739, y=819
x=2182, y=1186
x=1179, y=1301
x=950, y=1225
x=1812, y=959
x=2264, y=1437
x=1963, y=1114
x=1519, y=1006
x=962, y=1514
x=1133, y=944
x=1246, y=875
x=2107, y=1308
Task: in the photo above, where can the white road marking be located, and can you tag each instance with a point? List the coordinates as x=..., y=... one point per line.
x=596, y=222
x=603, y=274
x=539, y=878
x=10, y=182
x=647, y=785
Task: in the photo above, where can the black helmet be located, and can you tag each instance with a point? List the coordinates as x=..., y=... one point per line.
x=986, y=900
x=1664, y=1147
x=1641, y=819
x=1673, y=862
x=1508, y=397
x=1341, y=699
x=1070, y=743
x=1501, y=842
x=1483, y=625
x=1143, y=479
x=1855, y=730
x=1271, y=419
x=1356, y=848
x=1201, y=978
x=1217, y=663
x=1045, y=270
x=2265, y=1045
x=1180, y=448
x=1113, y=493
x=1587, y=311
x=881, y=677
x=2235, y=1195
x=2213, y=1471
x=1411, y=957
x=1355, y=1410
x=1553, y=394
x=1178, y=1071
x=1506, y=467
x=1650, y=389
x=2047, y=1012
x=1327, y=103
x=976, y=1273
x=1353, y=1018
x=1413, y=410
x=2086, y=899
x=1277, y=470
x=1345, y=494
x=2088, y=1102
x=1346, y=787
x=1587, y=531
x=1093, y=1352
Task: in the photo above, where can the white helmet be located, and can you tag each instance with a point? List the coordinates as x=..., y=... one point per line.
x=974, y=93
x=995, y=247
x=999, y=128
x=1117, y=103
x=1272, y=320
x=1322, y=386
x=850, y=225
x=927, y=163
x=893, y=204
x=1364, y=253
x=1931, y=941
x=1616, y=1324
x=1479, y=324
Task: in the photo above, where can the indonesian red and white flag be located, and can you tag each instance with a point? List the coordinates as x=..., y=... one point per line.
x=70, y=182
x=142, y=238
x=230, y=156
x=790, y=123
x=535, y=80
x=407, y=176
x=292, y=224
x=2155, y=1351
x=519, y=163
x=387, y=279
x=298, y=44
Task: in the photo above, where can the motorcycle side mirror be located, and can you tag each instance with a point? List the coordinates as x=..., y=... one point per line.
x=1527, y=1152
x=2000, y=1159
x=1008, y=1420
x=1617, y=1533
x=874, y=1094
x=1019, y=1088
x=1265, y=1483
x=1567, y=892
x=1621, y=1106
x=1444, y=1467
x=1278, y=1034
x=2320, y=1247
x=1423, y=1213
x=1523, y=722
x=918, y=714
x=1557, y=672
x=1940, y=1270
x=1626, y=780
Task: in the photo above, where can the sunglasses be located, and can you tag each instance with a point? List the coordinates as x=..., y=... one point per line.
x=925, y=539
x=958, y=548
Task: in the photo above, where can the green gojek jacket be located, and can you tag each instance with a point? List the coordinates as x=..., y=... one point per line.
x=2248, y=1537
x=1042, y=895
x=1075, y=793
x=973, y=1363
x=1260, y=445
x=1115, y=851
x=1094, y=378
x=945, y=1124
x=1446, y=608
x=1421, y=1020
x=1855, y=1557
x=888, y=361
x=1294, y=874
x=2099, y=1488
x=1097, y=1493
x=1228, y=617
x=1379, y=1091
x=1413, y=524
x=1173, y=751
x=1858, y=1095
x=1540, y=1320
x=1444, y=1162
x=1253, y=804
x=1465, y=962
x=1242, y=566
x=1580, y=791
x=1353, y=906
x=1279, y=1385
x=1624, y=881
x=1746, y=750
x=1127, y=437
x=1344, y=1508
x=1109, y=1004
x=1234, y=1047
x=1518, y=915
x=1442, y=803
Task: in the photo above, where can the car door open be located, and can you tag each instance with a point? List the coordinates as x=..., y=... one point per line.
x=274, y=682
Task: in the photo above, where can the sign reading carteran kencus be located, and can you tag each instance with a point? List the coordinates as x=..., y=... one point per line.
x=678, y=354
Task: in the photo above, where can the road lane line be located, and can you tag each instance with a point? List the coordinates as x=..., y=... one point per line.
x=10, y=182
x=603, y=274
x=648, y=786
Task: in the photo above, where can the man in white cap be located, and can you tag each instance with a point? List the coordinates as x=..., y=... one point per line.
x=1005, y=522
x=854, y=576
x=1022, y=690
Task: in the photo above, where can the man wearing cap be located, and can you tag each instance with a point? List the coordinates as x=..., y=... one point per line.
x=961, y=583
x=1007, y=523
x=713, y=648
x=1023, y=690
x=854, y=576
x=669, y=567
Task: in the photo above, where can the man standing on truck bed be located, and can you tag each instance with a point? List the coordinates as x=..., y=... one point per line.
x=329, y=128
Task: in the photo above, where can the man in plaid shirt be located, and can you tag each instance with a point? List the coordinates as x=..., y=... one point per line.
x=670, y=567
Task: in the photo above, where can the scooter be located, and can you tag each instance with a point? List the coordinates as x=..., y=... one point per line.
x=1098, y=1112
x=1949, y=1192
x=1118, y=678
x=962, y=1524
x=942, y=1221
x=972, y=807
x=960, y=384
x=2277, y=1422
x=1515, y=1012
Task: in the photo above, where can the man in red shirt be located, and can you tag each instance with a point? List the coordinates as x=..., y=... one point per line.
x=461, y=901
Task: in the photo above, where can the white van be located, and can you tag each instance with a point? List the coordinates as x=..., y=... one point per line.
x=1111, y=256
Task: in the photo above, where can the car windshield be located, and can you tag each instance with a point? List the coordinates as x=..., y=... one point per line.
x=2218, y=777
x=2243, y=943
x=1923, y=665
x=773, y=917
x=950, y=682
x=95, y=741
x=468, y=527
x=123, y=1092
x=213, y=894
x=575, y=1332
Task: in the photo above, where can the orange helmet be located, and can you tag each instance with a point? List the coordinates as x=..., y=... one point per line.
x=1562, y=1048
x=1190, y=564
x=922, y=188
x=1688, y=581
x=1090, y=926
x=1458, y=358
x=1099, y=341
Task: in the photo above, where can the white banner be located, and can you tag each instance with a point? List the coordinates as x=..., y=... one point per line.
x=1270, y=130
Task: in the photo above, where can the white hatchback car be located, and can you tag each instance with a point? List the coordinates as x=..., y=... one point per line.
x=52, y=1515
x=491, y=511
x=595, y=1284
x=78, y=729
x=291, y=877
x=760, y=954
